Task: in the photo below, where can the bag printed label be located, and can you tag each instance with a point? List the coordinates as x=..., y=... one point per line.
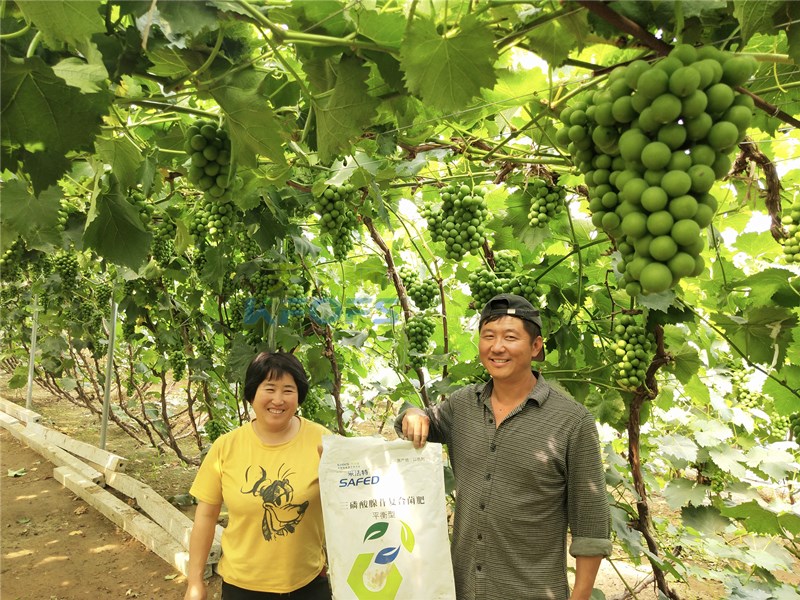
x=385, y=520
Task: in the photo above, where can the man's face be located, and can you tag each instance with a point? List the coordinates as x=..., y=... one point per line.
x=506, y=349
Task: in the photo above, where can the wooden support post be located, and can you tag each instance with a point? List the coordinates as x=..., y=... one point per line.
x=62, y=458
x=19, y=412
x=177, y=524
x=139, y=526
x=13, y=426
x=103, y=458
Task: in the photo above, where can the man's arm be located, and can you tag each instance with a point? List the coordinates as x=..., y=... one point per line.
x=416, y=426
x=586, y=568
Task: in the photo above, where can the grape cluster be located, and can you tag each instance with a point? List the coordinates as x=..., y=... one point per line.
x=791, y=222
x=212, y=218
x=650, y=144
x=781, y=424
x=424, y=292
x=266, y=284
x=459, y=220
x=65, y=265
x=419, y=330
x=209, y=151
x=484, y=283
x=632, y=352
x=337, y=220
x=744, y=396
x=794, y=424
x=214, y=428
x=143, y=207
x=11, y=261
x=547, y=202
x=177, y=361
x=163, y=246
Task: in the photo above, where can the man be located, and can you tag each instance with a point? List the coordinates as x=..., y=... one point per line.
x=527, y=466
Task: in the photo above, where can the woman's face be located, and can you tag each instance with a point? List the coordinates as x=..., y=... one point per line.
x=276, y=402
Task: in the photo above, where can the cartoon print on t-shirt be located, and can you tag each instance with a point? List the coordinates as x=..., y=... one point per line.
x=281, y=516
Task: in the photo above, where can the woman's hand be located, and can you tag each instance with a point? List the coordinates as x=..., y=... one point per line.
x=196, y=591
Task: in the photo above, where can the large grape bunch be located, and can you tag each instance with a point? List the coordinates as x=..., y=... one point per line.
x=650, y=144
x=791, y=222
x=419, y=330
x=209, y=151
x=484, y=283
x=424, y=292
x=337, y=220
x=459, y=221
x=632, y=352
x=214, y=428
x=547, y=202
x=212, y=219
x=65, y=265
x=163, y=245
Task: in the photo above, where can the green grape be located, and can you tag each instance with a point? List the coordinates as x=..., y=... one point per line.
x=791, y=223
x=419, y=330
x=632, y=351
x=546, y=203
x=650, y=144
x=212, y=219
x=424, y=293
x=337, y=220
x=214, y=428
x=143, y=207
x=163, y=245
x=177, y=361
x=209, y=167
x=459, y=222
x=65, y=265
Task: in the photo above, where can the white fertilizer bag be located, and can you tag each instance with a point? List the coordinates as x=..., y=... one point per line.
x=385, y=520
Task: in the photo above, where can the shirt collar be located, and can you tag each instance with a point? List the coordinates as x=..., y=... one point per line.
x=538, y=394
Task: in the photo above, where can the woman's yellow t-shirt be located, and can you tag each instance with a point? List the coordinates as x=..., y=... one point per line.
x=275, y=535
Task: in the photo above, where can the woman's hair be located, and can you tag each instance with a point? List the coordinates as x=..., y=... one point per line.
x=274, y=365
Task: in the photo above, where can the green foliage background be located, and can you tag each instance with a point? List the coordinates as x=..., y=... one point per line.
x=396, y=99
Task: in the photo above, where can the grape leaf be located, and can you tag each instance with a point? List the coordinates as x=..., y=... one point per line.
x=791, y=16
x=185, y=18
x=762, y=286
x=677, y=446
x=705, y=519
x=772, y=460
x=344, y=112
x=448, y=72
x=44, y=118
x=114, y=229
x=123, y=156
x=729, y=459
x=34, y=218
x=86, y=77
x=755, y=16
x=555, y=39
x=762, y=335
x=252, y=125
x=786, y=401
x=70, y=21
x=682, y=492
x=384, y=28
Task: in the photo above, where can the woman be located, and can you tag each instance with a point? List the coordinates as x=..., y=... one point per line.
x=266, y=474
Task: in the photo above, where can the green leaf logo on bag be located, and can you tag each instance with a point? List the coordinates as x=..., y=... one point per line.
x=375, y=576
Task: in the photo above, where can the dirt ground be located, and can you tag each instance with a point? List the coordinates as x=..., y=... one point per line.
x=55, y=547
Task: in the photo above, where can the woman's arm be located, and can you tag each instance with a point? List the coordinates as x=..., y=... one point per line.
x=205, y=523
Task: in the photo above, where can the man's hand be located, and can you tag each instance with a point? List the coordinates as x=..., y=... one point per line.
x=415, y=426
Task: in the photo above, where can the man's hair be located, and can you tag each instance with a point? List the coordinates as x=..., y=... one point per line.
x=531, y=328
x=271, y=366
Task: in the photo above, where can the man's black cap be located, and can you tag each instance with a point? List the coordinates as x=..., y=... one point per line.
x=511, y=305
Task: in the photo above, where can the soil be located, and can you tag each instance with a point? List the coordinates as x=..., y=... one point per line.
x=56, y=547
